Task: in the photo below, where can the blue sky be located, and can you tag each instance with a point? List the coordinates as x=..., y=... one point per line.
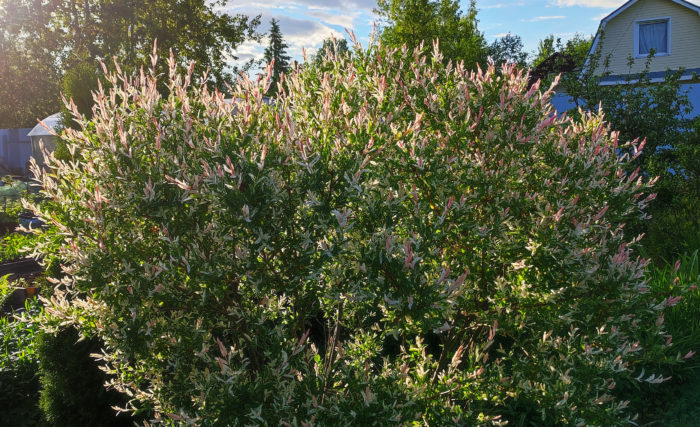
x=305, y=23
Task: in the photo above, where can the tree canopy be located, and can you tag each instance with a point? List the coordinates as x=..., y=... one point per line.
x=508, y=48
x=412, y=22
x=337, y=46
x=554, y=56
x=42, y=40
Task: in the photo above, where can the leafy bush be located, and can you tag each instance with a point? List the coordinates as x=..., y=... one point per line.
x=395, y=240
x=51, y=274
x=675, y=227
x=50, y=378
x=19, y=363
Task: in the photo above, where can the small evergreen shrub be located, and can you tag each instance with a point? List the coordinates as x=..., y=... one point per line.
x=392, y=241
x=72, y=385
x=19, y=363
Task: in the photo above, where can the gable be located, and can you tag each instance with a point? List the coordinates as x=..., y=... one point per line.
x=620, y=32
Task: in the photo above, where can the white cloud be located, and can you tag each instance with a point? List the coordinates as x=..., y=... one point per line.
x=499, y=35
x=500, y=5
x=341, y=20
x=299, y=34
x=304, y=32
x=304, y=23
x=365, y=5
x=249, y=50
x=543, y=18
x=603, y=4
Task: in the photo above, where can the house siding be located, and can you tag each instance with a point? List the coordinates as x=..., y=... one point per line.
x=562, y=102
x=618, y=41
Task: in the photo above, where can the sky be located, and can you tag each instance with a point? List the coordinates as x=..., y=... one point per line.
x=306, y=23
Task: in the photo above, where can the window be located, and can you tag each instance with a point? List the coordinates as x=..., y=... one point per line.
x=654, y=34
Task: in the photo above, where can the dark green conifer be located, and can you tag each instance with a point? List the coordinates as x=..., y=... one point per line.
x=277, y=51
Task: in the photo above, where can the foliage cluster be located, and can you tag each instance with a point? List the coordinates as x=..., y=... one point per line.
x=330, y=46
x=677, y=402
x=682, y=320
x=11, y=204
x=508, y=49
x=11, y=207
x=554, y=57
x=50, y=378
x=397, y=239
x=576, y=48
x=77, y=85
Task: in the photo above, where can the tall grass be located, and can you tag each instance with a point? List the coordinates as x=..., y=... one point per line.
x=682, y=320
x=676, y=404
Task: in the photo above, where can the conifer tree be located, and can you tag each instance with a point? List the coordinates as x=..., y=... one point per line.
x=277, y=51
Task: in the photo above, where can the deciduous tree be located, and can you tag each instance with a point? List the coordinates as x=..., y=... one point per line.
x=40, y=41
x=413, y=22
x=335, y=46
x=508, y=49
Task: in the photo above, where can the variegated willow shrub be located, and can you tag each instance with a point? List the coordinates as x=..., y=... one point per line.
x=392, y=241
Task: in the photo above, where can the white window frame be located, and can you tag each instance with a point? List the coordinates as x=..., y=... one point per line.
x=666, y=19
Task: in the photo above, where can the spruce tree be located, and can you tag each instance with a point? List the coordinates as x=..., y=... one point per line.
x=277, y=51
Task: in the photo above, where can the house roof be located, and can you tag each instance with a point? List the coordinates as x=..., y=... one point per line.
x=52, y=122
x=623, y=8
x=631, y=3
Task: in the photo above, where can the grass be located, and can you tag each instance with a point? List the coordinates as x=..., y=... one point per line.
x=682, y=320
x=678, y=403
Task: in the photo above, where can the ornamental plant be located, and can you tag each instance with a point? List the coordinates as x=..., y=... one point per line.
x=393, y=240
